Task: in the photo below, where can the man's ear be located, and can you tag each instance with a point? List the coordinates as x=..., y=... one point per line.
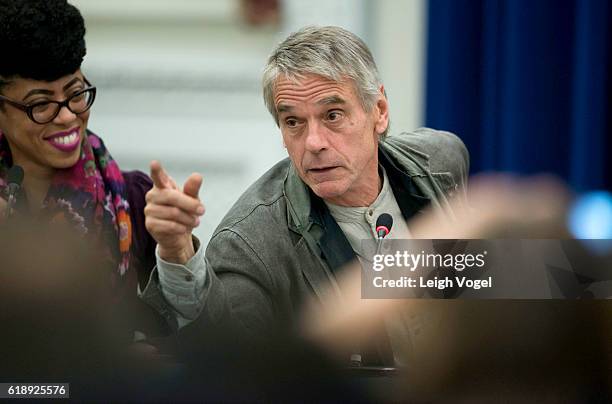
x=382, y=112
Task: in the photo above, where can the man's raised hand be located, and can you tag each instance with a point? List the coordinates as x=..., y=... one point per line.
x=171, y=214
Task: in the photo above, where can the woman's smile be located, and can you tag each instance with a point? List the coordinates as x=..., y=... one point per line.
x=66, y=141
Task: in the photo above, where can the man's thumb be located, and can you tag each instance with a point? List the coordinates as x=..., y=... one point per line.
x=192, y=185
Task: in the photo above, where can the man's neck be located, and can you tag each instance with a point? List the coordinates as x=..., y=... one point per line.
x=364, y=195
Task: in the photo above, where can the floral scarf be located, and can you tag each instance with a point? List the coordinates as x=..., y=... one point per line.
x=91, y=196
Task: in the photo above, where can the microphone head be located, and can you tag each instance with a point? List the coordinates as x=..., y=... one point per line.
x=384, y=222
x=15, y=175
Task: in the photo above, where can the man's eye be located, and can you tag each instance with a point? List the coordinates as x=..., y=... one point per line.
x=291, y=122
x=334, y=116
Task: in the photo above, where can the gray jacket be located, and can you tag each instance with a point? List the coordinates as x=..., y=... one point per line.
x=278, y=245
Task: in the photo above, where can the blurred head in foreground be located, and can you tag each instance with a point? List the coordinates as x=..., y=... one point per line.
x=56, y=318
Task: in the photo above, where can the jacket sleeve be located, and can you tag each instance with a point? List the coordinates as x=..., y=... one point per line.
x=237, y=291
x=238, y=294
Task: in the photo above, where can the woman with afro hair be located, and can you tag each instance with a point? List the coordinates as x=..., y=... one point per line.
x=69, y=176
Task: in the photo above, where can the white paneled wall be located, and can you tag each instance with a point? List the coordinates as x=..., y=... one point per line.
x=184, y=90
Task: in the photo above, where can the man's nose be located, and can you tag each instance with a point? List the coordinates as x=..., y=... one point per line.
x=316, y=137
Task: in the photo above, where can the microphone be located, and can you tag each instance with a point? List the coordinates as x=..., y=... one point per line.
x=384, y=222
x=14, y=179
x=383, y=225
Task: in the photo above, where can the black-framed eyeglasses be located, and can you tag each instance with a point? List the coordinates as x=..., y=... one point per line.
x=45, y=111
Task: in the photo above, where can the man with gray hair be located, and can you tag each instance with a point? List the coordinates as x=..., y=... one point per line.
x=287, y=236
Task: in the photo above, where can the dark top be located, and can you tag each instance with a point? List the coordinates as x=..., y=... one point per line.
x=144, y=318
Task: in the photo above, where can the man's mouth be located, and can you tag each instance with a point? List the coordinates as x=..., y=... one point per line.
x=320, y=170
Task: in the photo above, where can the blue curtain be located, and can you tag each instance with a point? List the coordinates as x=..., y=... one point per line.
x=526, y=84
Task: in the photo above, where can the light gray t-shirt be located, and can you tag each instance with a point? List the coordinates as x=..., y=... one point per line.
x=359, y=223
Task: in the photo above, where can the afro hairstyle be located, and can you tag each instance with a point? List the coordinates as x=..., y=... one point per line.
x=41, y=39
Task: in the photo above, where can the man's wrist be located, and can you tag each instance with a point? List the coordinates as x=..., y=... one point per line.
x=177, y=256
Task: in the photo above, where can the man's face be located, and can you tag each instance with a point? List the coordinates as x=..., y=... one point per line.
x=330, y=138
x=54, y=145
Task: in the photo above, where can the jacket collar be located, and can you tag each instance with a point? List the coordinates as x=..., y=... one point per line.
x=408, y=195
